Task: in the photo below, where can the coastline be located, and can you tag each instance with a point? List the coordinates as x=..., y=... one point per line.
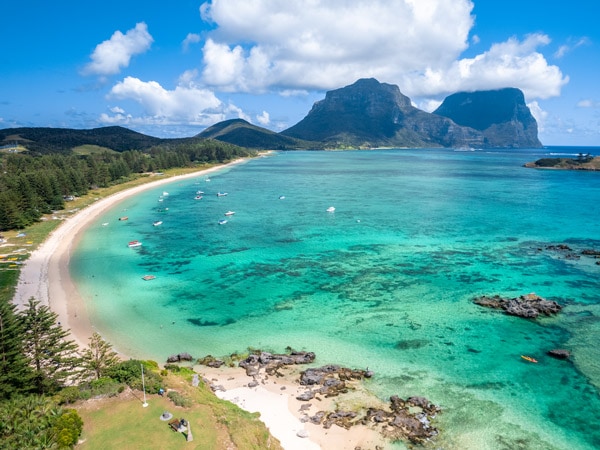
x=45, y=276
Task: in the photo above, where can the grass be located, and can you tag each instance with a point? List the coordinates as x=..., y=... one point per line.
x=123, y=422
x=89, y=149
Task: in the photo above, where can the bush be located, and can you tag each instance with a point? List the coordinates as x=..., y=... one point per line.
x=130, y=373
x=179, y=399
x=68, y=395
x=67, y=429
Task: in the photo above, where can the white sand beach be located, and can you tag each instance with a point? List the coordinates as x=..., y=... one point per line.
x=45, y=276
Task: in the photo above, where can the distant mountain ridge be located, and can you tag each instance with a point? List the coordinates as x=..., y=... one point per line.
x=369, y=114
x=365, y=114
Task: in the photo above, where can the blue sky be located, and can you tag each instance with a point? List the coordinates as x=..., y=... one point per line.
x=170, y=69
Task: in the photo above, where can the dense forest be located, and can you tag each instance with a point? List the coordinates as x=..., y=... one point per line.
x=32, y=185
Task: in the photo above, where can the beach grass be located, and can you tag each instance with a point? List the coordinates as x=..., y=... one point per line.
x=122, y=422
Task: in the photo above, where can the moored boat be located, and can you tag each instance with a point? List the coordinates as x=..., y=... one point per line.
x=157, y=223
x=529, y=358
x=222, y=222
x=133, y=244
x=221, y=194
x=148, y=277
x=331, y=209
x=198, y=197
x=230, y=213
x=123, y=218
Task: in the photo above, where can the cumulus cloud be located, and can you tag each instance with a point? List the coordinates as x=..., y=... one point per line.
x=512, y=63
x=317, y=44
x=187, y=103
x=277, y=45
x=191, y=38
x=588, y=103
x=539, y=114
x=109, y=57
x=264, y=119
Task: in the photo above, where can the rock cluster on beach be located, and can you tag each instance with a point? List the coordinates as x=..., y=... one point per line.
x=408, y=419
x=529, y=306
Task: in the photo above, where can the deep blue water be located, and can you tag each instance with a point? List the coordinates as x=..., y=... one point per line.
x=385, y=281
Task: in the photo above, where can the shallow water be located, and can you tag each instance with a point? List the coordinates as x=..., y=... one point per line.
x=385, y=281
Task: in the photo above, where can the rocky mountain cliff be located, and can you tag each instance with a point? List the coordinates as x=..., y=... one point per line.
x=500, y=115
x=373, y=114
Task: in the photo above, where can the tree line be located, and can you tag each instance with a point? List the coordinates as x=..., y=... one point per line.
x=42, y=372
x=34, y=185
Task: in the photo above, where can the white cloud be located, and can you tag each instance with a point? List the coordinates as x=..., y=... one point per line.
x=110, y=56
x=570, y=46
x=186, y=104
x=512, y=63
x=264, y=119
x=318, y=44
x=539, y=114
x=278, y=45
x=190, y=39
x=588, y=103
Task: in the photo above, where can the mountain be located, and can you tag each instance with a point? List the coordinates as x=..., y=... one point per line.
x=501, y=115
x=373, y=114
x=244, y=134
x=45, y=140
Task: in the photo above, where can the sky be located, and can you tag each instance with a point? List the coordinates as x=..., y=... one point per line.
x=171, y=69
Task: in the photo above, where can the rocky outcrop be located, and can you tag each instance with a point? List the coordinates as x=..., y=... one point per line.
x=500, y=115
x=529, y=306
x=559, y=353
x=180, y=357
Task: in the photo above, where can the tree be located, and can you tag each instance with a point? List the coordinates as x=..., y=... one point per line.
x=52, y=357
x=98, y=357
x=15, y=375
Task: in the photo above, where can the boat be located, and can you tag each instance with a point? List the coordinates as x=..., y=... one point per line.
x=104, y=224
x=133, y=244
x=529, y=358
x=331, y=209
x=281, y=197
x=148, y=277
x=230, y=213
x=198, y=197
x=199, y=192
x=207, y=179
x=221, y=194
x=157, y=223
x=222, y=222
x=123, y=218
x=165, y=193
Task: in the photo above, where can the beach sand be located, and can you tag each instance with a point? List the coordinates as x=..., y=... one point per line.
x=45, y=276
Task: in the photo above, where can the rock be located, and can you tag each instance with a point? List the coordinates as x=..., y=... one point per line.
x=559, y=353
x=302, y=434
x=306, y=396
x=253, y=384
x=179, y=357
x=529, y=306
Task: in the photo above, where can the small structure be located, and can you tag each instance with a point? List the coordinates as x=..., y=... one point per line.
x=166, y=416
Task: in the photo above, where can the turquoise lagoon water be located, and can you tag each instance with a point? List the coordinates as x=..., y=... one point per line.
x=385, y=282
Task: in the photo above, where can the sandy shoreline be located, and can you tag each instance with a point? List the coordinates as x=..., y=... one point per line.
x=45, y=276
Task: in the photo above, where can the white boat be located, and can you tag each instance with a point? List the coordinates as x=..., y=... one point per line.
x=222, y=222
x=165, y=194
x=198, y=197
x=281, y=197
x=134, y=244
x=221, y=194
x=199, y=192
x=104, y=224
x=157, y=223
x=331, y=209
x=230, y=213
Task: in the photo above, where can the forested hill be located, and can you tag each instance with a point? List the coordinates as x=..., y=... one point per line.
x=63, y=140
x=36, y=183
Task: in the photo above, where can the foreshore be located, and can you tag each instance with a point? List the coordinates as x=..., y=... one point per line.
x=45, y=276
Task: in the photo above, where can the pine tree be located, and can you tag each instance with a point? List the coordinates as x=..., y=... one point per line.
x=98, y=357
x=52, y=357
x=15, y=376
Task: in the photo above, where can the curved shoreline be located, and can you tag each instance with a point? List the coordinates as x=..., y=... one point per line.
x=45, y=276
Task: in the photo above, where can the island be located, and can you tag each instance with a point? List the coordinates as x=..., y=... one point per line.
x=581, y=162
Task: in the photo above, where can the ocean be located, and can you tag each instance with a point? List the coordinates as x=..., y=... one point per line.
x=386, y=281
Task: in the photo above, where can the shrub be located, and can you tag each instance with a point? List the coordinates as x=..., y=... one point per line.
x=179, y=399
x=67, y=429
x=68, y=395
